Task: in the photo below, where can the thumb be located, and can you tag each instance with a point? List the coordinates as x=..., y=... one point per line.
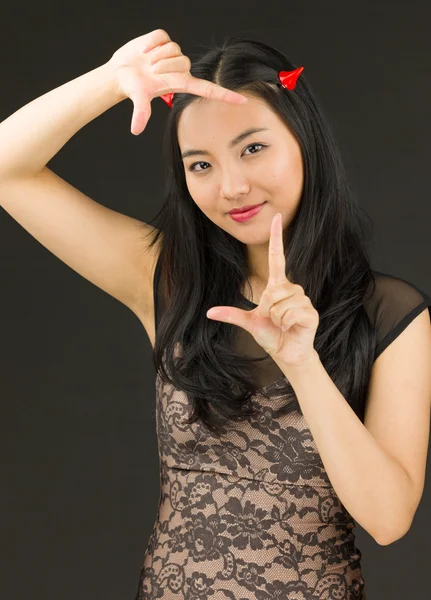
x=230, y=314
x=141, y=114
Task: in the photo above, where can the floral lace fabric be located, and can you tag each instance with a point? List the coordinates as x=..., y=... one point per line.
x=248, y=515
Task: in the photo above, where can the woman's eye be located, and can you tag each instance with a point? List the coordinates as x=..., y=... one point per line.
x=192, y=167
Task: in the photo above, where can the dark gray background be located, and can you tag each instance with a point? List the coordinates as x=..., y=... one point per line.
x=78, y=452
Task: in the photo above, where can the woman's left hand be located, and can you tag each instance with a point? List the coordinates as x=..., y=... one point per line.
x=285, y=322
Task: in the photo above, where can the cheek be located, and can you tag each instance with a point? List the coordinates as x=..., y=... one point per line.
x=201, y=193
x=201, y=197
x=287, y=175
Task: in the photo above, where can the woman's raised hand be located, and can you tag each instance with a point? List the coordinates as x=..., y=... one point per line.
x=153, y=65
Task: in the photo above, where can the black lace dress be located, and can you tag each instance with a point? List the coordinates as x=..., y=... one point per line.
x=252, y=515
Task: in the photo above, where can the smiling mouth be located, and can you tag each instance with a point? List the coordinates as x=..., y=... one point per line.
x=236, y=211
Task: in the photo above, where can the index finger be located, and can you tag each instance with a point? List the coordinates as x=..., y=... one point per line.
x=213, y=91
x=277, y=260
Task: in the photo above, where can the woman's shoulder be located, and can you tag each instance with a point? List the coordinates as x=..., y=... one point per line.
x=394, y=303
x=395, y=293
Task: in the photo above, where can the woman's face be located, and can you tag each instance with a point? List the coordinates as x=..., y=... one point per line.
x=265, y=166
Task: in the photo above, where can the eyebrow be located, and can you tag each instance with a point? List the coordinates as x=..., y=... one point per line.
x=232, y=143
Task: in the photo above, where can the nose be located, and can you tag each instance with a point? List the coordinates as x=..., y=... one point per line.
x=234, y=183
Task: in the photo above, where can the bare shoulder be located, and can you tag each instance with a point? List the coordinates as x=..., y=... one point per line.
x=144, y=308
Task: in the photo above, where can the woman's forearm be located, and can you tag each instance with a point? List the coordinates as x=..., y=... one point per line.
x=372, y=485
x=32, y=135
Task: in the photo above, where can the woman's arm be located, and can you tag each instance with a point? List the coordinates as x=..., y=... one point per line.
x=104, y=246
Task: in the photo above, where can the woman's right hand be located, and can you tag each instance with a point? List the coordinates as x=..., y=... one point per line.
x=152, y=65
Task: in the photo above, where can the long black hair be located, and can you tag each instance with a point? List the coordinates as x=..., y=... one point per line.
x=326, y=246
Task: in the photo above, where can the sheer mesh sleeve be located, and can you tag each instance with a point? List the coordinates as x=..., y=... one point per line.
x=394, y=304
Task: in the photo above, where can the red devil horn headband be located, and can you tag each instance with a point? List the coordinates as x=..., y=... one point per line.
x=287, y=79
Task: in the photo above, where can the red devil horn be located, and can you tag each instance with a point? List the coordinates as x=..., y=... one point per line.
x=288, y=78
x=168, y=99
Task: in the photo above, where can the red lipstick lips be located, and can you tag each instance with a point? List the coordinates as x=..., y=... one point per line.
x=245, y=215
x=242, y=209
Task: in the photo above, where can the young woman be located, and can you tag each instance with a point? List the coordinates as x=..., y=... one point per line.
x=294, y=407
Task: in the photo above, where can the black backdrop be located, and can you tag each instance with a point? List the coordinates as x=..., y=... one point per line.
x=78, y=453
